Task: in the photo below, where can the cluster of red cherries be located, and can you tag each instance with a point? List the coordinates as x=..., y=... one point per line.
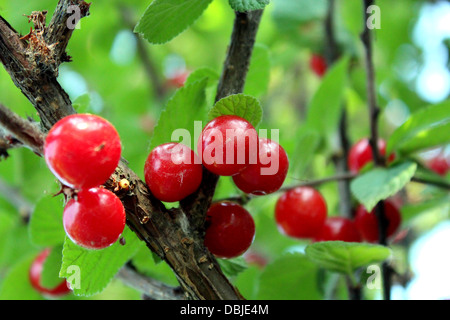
x=229, y=146
x=302, y=212
x=83, y=151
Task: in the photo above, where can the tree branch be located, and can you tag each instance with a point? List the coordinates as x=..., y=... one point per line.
x=149, y=67
x=168, y=233
x=22, y=129
x=374, y=112
x=232, y=81
x=332, y=55
x=151, y=288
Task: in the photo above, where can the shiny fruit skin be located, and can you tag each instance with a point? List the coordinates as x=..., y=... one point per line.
x=301, y=212
x=230, y=229
x=35, y=278
x=367, y=223
x=215, y=143
x=252, y=180
x=172, y=172
x=95, y=219
x=361, y=154
x=338, y=229
x=82, y=150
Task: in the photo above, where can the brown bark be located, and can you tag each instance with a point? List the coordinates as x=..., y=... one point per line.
x=171, y=234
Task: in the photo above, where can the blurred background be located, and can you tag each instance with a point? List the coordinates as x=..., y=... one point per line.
x=118, y=75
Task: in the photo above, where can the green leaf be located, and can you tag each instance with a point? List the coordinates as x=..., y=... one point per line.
x=345, y=257
x=46, y=227
x=258, y=76
x=411, y=211
x=82, y=103
x=183, y=109
x=426, y=128
x=16, y=285
x=326, y=105
x=232, y=267
x=202, y=73
x=165, y=19
x=290, y=277
x=248, y=5
x=152, y=266
x=241, y=105
x=90, y=271
x=381, y=183
x=307, y=142
x=289, y=14
x=50, y=271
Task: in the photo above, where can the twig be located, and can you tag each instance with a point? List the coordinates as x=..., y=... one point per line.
x=23, y=130
x=243, y=199
x=332, y=54
x=149, y=66
x=10, y=194
x=232, y=81
x=150, y=288
x=168, y=233
x=439, y=184
x=374, y=112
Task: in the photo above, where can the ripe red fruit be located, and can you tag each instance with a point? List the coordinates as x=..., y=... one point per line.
x=440, y=165
x=268, y=174
x=95, y=219
x=228, y=144
x=82, y=150
x=361, y=154
x=367, y=223
x=178, y=79
x=338, y=229
x=256, y=259
x=35, y=278
x=230, y=229
x=172, y=172
x=318, y=64
x=301, y=212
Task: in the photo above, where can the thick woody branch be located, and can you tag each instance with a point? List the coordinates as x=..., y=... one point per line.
x=168, y=233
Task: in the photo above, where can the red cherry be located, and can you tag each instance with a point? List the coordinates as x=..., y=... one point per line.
x=178, y=79
x=228, y=145
x=95, y=220
x=367, y=223
x=35, y=278
x=255, y=258
x=268, y=174
x=440, y=165
x=360, y=154
x=230, y=229
x=172, y=172
x=301, y=212
x=82, y=150
x=318, y=64
x=338, y=229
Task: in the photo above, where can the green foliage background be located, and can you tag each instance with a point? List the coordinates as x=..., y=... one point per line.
x=107, y=77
